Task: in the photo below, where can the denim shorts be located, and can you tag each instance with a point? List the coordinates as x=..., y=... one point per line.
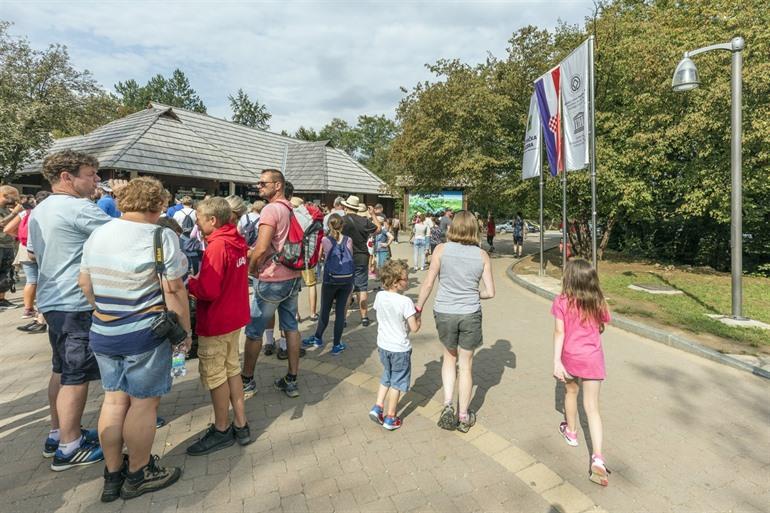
x=270, y=296
x=141, y=375
x=68, y=333
x=396, y=369
x=30, y=272
x=361, y=278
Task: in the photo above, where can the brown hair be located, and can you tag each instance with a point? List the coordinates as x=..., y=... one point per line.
x=142, y=194
x=390, y=273
x=66, y=160
x=581, y=287
x=335, y=225
x=464, y=229
x=216, y=207
x=275, y=175
x=187, y=201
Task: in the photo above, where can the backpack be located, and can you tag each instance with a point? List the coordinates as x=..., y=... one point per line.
x=303, y=245
x=188, y=223
x=339, y=266
x=518, y=227
x=250, y=231
x=23, y=232
x=190, y=245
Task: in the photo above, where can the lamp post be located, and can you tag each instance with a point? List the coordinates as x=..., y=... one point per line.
x=686, y=78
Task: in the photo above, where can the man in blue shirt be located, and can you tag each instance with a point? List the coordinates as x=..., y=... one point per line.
x=57, y=232
x=106, y=201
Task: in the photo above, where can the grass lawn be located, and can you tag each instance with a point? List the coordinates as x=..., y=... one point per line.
x=704, y=293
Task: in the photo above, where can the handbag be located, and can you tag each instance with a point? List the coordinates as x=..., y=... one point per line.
x=166, y=325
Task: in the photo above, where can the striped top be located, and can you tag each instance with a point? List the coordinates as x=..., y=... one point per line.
x=118, y=257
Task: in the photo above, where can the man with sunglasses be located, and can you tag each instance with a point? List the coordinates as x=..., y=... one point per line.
x=58, y=230
x=278, y=286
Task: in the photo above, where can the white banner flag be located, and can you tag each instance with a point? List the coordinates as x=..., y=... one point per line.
x=532, y=142
x=574, y=93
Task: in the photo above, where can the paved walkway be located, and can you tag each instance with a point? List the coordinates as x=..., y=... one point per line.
x=682, y=434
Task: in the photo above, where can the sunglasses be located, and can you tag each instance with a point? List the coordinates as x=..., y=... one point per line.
x=262, y=184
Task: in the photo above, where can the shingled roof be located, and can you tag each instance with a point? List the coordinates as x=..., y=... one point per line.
x=171, y=141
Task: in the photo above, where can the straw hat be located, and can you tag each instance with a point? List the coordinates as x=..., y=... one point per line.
x=353, y=203
x=363, y=211
x=296, y=201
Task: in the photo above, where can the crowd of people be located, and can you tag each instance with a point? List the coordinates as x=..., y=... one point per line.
x=124, y=283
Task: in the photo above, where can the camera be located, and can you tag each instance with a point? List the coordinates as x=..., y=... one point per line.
x=167, y=326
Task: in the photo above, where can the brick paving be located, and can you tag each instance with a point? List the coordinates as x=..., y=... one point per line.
x=682, y=434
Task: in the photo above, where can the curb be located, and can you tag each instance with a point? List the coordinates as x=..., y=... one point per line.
x=655, y=334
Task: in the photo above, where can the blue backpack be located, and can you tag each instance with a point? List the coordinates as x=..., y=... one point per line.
x=339, y=267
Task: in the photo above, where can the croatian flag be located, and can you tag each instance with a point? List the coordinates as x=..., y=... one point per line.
x=547, y=89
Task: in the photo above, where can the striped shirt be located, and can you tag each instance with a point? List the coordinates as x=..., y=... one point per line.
x=119, y=259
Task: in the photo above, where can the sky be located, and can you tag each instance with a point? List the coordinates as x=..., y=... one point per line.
x=308, y=61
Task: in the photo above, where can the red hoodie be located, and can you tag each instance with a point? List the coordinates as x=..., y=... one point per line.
x=222, y=286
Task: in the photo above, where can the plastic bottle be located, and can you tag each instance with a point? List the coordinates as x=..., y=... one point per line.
x=178, y=368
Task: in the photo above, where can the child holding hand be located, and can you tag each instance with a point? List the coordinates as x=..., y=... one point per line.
x=396, y=317
x=581, y=313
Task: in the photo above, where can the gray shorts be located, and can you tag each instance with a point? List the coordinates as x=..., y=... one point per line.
x=463, y=330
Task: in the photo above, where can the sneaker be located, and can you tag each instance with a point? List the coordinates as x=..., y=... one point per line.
x=7, y=305
x=313, y=342
x=448, y=419
x=376, y=414
x=86, y=454
x=159, y=422
x=149, y=478
x=599, y=472
x=51, y=445
x=249, y=388
x=290, y=388
x=391, y=423
x=212, y=441
x=113, y=482
x=269, y=349
x=29, y=313
x=465, y=426
x=365, y=322
x=338, y=348
x=569, y=436
x=242, y=434
x=33, y=327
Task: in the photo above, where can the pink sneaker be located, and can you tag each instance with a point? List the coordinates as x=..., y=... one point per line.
x=569, y=436
x=599, y=473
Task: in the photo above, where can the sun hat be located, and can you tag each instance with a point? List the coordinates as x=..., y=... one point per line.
x=105, y=186
x=296, y=201
x=352, y=203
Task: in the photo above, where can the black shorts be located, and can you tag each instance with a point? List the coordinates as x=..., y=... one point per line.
x=6, y=268
x=72, y=356
x=518, y=239
x=361, y=278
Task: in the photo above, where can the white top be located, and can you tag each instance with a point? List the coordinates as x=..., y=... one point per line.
x=248, y=218
x=179, y=215
x=392, y=329
x=429, y=223
x=420, y=231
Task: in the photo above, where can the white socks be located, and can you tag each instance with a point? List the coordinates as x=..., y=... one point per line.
x=269, y=338
x=54, y=434
x=69, y=448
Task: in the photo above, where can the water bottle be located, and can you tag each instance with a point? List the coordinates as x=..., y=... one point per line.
x=178, y=368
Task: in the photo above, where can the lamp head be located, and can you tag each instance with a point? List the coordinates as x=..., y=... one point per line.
x=685, y=75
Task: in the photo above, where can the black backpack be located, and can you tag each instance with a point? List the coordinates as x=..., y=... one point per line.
x=188, y=223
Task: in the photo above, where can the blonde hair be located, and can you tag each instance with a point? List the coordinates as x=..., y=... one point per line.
x=187, y=201
x=216, y=207
x=257, y=206
x=464, y=229
x=237, y=205
x=390, y=273
x=142, y=194
x=581, y=287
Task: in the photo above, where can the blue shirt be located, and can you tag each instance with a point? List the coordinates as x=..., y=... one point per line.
x=173, y=210
x=107, y=204
x=58, y=228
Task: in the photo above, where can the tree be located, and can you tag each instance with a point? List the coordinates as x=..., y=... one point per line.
x=42, y=94
x=306, y=134
x=174, y=91
x=374, y=135
x=247, y=112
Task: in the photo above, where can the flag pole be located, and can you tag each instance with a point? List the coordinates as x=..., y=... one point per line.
x=542, y=184
x=592, y=143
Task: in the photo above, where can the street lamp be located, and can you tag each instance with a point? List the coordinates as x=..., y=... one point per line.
x=686, y=78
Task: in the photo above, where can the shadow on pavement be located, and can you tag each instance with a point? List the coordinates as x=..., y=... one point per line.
x=492, y=361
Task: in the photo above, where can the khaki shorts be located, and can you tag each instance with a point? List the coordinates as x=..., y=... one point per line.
x=309, y=277
x=459, y=330
x=218, y=358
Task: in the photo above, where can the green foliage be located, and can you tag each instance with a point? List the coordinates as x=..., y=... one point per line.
x=247, y=112
x=175, y=91
x=662, y=157
x=42, y=95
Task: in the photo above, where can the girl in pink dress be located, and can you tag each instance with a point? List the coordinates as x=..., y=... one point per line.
x=578, y=360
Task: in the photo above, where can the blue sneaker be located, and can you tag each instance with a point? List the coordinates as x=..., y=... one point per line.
x=376, y=414
x=313, y=342
x=86, y=454
x=391, y=423
x=339, y=348
x=50, y=446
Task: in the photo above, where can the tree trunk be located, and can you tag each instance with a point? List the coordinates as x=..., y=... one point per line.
x=606, y=236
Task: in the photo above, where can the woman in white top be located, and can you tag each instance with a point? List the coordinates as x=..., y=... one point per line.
x=420, y=239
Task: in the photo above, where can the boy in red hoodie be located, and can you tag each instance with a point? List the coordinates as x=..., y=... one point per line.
x=221, y=289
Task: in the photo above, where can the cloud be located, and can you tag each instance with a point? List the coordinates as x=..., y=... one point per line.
x=307, y=61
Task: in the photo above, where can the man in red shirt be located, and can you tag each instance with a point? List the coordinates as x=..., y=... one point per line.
x=277, y=286
x=222, y=292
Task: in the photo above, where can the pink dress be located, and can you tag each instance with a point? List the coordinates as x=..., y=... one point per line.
x=582, y=354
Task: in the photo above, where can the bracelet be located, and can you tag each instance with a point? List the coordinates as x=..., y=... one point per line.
x=418, y=309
